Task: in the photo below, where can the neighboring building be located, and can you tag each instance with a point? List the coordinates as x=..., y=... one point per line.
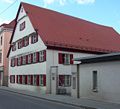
x=5, y=36
x=44, y=42
x=99, y=78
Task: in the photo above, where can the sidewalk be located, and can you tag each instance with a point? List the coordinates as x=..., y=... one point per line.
x=82, y=102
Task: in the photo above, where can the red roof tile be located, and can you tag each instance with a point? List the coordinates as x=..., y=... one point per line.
x=65, y=31
x=10, y=25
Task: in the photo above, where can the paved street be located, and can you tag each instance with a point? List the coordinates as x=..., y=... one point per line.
x=9, y=100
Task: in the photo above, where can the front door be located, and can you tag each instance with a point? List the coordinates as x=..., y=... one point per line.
x=54, y=79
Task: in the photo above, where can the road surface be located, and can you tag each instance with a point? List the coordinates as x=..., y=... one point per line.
x=10, y=100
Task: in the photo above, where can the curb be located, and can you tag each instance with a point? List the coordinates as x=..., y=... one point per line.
x=84, y=107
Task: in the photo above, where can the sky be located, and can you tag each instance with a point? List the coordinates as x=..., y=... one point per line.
x=104, y=12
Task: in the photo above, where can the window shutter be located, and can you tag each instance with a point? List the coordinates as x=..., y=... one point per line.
x=31, y=80
x=25, y=79
x=71, y=58
x=37, y=82
x=16, y=78
x=61, y=80
x=60, y=58
x=44, y=80
x=20, y=79
x=23, y=42
x=31, y=58
x=17, y=61
x=26, y=59
x=27, y=40
x=37, y=56
x=21, y=59
x=44, y=55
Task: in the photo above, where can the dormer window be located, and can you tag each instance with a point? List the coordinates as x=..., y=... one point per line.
x=22, y=26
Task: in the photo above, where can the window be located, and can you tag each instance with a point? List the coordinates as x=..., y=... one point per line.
x=23, y=60
x=14, y=47
x=24, y=79
x=0, y=57
x=26, y=41
x=22, y=26
x=36, y=80
x=12, y=78
x=13, y=62
x=42, y=56
x=34, y=38
x=20, y=43
x=95, y=83
x=19, y=61
x=30, y=57
x=19, y=79
x=29, y=79
x=42, y=80
x=65, y=80
x=65, y=58
x=35, y=57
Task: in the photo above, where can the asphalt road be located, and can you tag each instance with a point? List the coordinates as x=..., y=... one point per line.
x=9, y=100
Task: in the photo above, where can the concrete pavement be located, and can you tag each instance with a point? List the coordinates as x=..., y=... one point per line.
x=82, y=102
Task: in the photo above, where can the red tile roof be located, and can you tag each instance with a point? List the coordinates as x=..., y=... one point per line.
x=60, y=30
x=10, y=25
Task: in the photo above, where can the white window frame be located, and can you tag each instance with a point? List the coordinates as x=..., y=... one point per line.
x=22, y=26
x=26, y=41
x=41, y=80
x=35, y=80
x=12, y=62
x=29, y=58
x=19, y=61
x=41, y=56
x=66, y=58
x=14, y=47
x=34, y=57
x=23, y=60
x=23, y=79
x=34, y=37
x=28, y=79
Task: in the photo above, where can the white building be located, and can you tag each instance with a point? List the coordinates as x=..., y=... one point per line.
x=99, y=78
x=43, y=44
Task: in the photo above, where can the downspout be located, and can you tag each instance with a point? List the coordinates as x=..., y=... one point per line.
x=78, y=94
x=78, y=79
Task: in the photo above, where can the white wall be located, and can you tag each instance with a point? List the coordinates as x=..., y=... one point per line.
x=52, y=60
x=108, y=81
x=38, y=68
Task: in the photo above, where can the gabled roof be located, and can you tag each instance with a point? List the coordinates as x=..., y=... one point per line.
x=60, y=30
x=10, y=25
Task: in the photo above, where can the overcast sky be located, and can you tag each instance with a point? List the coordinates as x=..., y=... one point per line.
x=104, y=12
